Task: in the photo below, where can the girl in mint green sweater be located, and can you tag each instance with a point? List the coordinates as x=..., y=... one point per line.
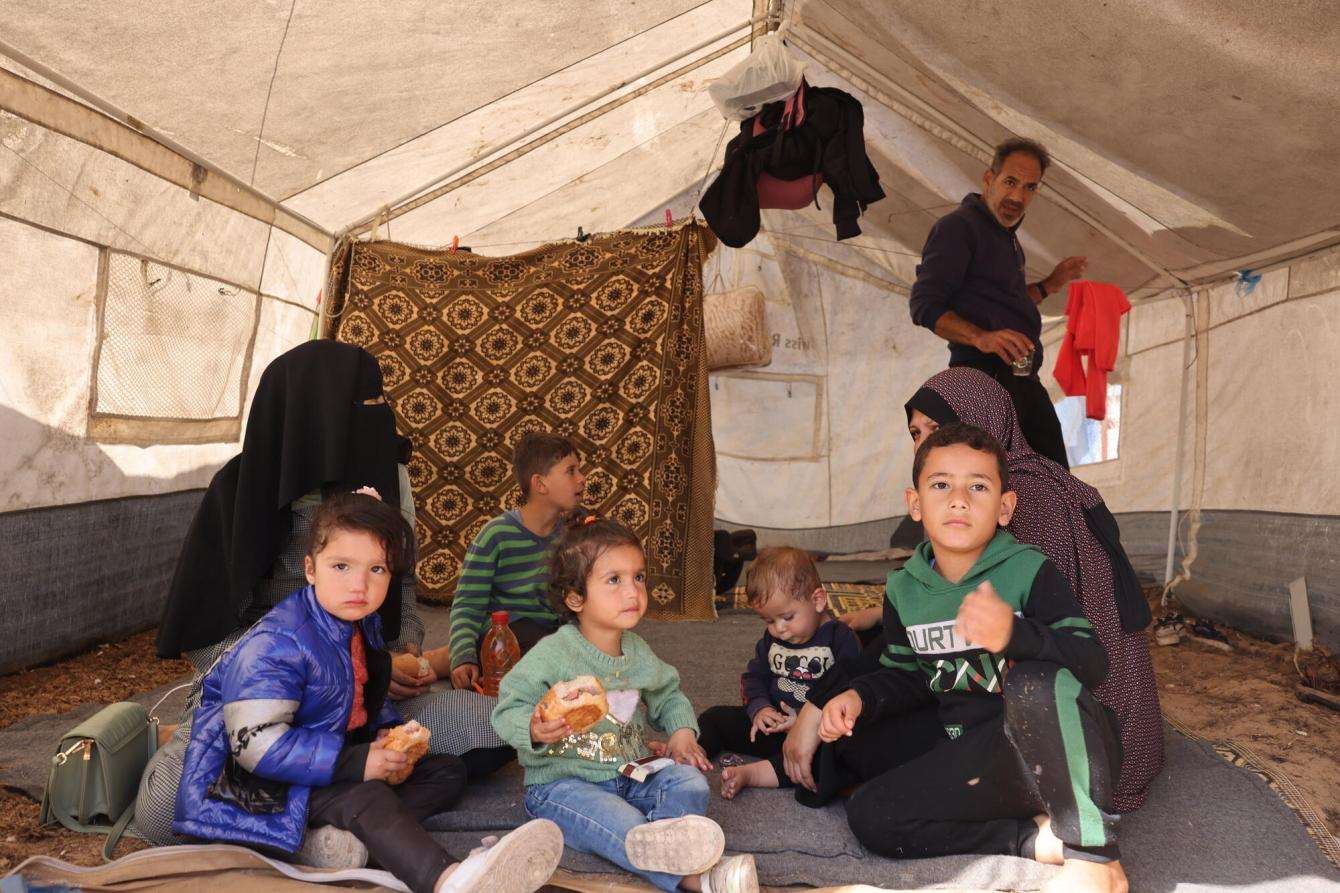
x=586, y=782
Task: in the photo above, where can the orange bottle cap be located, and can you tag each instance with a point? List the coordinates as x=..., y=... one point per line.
x=499, y=618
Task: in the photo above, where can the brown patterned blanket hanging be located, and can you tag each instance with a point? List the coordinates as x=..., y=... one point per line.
x=601, y=341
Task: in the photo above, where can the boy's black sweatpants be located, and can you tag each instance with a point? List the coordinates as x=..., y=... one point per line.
x=389, y=819
x=1055, y=752
x=726, y=728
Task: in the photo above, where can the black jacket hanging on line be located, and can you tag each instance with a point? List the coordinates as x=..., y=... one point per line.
x=829, y=141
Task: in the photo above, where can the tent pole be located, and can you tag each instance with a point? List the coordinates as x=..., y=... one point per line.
x=362, y=222
x=1187, y=338
x=122, y=117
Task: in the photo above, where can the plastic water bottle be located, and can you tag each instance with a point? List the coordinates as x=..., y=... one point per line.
x=499, y=652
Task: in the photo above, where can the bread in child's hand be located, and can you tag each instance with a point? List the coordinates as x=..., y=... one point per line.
x=411, y=739
x=580, y=701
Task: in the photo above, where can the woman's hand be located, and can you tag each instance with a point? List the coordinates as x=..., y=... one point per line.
x=802, y=743
x=683, y=747
x=840, y=715
x=547, y=732
x=862, y=620
x=382, y=762
x=465, y=677
x=410, y=676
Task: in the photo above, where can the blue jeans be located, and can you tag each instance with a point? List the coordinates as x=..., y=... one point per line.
x=596, y=816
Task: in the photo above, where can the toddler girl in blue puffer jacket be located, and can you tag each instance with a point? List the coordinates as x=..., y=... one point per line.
x=291, y=722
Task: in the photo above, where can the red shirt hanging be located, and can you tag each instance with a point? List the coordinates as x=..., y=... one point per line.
x=1092, y=333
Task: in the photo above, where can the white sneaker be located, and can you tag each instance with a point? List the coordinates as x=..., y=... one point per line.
x=684, y=846
x=328, y=847
x=519, y=862
x=734, y=874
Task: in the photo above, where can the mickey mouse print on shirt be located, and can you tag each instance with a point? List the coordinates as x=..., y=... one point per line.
x=783, y=672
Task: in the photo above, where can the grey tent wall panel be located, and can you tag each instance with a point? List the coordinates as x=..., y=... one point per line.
x=1246, y=561
x=1145, y=537
x=1240, y=577
x=863, y=537
x=87, y=573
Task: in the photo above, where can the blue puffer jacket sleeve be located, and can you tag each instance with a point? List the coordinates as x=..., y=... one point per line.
x=262, y=689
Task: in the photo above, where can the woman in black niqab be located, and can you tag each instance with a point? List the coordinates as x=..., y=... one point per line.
x=319, y=422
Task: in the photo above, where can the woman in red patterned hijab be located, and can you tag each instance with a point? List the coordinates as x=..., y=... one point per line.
x=1067, y=519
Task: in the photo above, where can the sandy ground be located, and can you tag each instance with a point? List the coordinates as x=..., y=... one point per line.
x=1245, y=696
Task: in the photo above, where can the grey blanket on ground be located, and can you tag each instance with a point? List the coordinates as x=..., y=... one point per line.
x=1208, y=825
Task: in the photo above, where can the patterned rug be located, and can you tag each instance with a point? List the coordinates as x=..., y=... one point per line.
x=600, y=341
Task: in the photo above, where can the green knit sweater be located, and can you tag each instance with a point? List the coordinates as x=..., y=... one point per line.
x=596, y=754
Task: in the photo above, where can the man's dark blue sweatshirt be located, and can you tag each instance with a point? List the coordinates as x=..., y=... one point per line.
x=975, y=267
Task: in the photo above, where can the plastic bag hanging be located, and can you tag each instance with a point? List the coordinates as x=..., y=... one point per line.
x=769, y=74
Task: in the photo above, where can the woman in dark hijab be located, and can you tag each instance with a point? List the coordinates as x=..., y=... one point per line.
x=318, y=424
x=1067, y=519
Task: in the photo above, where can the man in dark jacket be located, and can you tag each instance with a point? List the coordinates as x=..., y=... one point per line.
x=971, y=291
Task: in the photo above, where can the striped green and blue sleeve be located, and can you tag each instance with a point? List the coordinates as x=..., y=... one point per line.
x=470, y=604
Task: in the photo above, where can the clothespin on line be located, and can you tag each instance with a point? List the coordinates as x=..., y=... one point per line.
x=581, y=235
x=669, y=219
x=455, y=244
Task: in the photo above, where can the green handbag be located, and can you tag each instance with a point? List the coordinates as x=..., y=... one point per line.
x=95, y=774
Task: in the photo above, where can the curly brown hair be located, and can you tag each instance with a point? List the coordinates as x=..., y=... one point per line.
x=585, y=540
x=368, y=514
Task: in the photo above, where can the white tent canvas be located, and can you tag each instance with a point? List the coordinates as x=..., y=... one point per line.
x=171, y=184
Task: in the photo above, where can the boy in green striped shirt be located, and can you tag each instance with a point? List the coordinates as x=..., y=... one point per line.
x=989, y=630
x=507, y=566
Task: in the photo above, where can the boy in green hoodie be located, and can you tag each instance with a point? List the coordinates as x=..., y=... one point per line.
x=989, y=630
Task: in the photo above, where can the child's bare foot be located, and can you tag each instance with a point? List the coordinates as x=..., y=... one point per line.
x=1079, y=876
x=759, y=774
x=1047, y=847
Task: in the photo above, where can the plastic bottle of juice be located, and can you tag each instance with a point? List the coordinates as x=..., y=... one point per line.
x=498, y=653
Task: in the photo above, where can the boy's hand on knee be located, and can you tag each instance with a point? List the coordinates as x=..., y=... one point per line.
x=683, y=747
x=840, y=715
x=382, y=762
x=465, y=676
x=985, y=620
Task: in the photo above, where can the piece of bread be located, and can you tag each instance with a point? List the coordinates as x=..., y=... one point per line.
x=411, y=739
x=580, y=701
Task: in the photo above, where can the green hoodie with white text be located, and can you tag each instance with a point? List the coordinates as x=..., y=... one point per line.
x=926, y=658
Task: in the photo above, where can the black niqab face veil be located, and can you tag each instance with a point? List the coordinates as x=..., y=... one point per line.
x=311, y=428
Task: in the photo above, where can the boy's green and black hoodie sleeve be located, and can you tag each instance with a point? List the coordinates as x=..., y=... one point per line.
x=470, y=604
x=899, y=684
x=1051, y=627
